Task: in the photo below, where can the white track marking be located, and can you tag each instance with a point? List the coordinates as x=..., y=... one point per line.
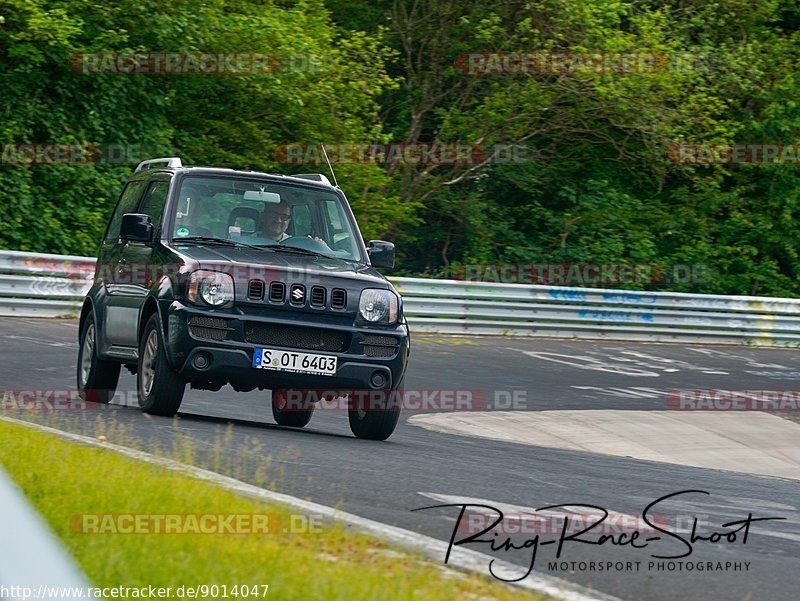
x=589, y=363
x=40, y=341
x=716, y=509
x=634, y=392
x=675, y=364
x=703, y=510
x=569, y=511
x=726, y=355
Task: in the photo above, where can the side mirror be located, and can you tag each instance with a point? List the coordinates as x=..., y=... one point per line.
x=381, y=254
x=136, y=227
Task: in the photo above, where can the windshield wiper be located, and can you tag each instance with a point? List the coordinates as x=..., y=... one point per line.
x=294, y=250
x=211, y=240
x=280, y=248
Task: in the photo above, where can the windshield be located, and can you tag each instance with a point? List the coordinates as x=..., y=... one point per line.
x=260, y=213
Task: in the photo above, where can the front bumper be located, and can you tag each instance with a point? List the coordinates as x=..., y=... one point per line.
x=230, y=359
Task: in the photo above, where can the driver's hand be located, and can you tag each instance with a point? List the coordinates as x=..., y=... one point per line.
x=320, y=240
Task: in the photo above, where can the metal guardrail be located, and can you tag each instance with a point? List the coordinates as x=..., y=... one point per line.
x=456, y=307
x=43, y=285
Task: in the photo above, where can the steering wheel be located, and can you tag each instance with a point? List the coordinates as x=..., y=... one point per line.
x=306, y=243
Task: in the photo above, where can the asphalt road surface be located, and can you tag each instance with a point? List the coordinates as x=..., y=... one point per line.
x=417, y=467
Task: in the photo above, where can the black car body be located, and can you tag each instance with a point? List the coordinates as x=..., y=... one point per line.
x=299, y=299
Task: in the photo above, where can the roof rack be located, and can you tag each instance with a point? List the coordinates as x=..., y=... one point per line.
x=171, y=162
x=314, y=177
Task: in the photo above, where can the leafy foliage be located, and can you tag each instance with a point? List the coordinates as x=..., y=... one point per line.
x=235, y=120
x=597, y=183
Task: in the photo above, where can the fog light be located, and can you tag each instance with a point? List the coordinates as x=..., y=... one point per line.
x=201, y=361
x=378, y=380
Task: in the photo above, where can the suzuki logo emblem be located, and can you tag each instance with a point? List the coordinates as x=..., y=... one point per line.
x=297, y=294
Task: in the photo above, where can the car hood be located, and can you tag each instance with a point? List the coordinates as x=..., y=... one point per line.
x=249, y=263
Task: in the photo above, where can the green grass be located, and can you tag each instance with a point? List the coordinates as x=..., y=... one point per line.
x=63, y=479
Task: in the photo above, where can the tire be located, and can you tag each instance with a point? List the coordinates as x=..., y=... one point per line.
x=294, y=417
x=372, y=420
x=97, y=379
x=160, y=388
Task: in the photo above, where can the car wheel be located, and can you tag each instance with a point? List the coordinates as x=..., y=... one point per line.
x=97, y=379
x=160, y=388
x=294, y=416
x=375, y=418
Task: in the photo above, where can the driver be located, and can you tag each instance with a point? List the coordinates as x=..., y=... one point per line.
x=274, y=221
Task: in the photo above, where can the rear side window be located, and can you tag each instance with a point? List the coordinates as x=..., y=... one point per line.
x=127, y=204
x=154, y=201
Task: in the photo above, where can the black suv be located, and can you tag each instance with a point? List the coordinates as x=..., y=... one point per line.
x=216, y=276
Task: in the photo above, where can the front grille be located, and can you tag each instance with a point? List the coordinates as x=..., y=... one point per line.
x=277, y=292
x=318, y=294
x=212, y=328
x=380, y=346
x=296, y=337
x=338, y=298
x=380, y=351
x=380, y=340
x=255, y=291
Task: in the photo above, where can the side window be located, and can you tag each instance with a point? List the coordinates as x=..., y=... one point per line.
x=127, y=204
x=154, y=201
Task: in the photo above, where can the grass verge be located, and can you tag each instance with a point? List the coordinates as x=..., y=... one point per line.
x=297, y=559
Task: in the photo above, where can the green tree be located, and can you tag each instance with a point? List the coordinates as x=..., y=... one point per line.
x=324, y=88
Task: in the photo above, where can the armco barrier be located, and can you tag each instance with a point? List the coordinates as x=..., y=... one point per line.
x=455, y=307
x=41, y=285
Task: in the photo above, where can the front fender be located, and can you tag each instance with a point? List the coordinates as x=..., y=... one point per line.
x=158, y=300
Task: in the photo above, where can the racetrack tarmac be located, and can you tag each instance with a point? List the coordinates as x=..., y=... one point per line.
x=417, y=467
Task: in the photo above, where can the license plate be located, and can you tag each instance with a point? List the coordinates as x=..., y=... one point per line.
x=303, y=363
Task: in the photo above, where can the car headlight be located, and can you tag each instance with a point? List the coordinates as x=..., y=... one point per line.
x=214, y=287
x=378, y=306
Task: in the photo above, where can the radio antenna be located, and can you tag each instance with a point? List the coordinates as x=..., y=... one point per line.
x=327, y=160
